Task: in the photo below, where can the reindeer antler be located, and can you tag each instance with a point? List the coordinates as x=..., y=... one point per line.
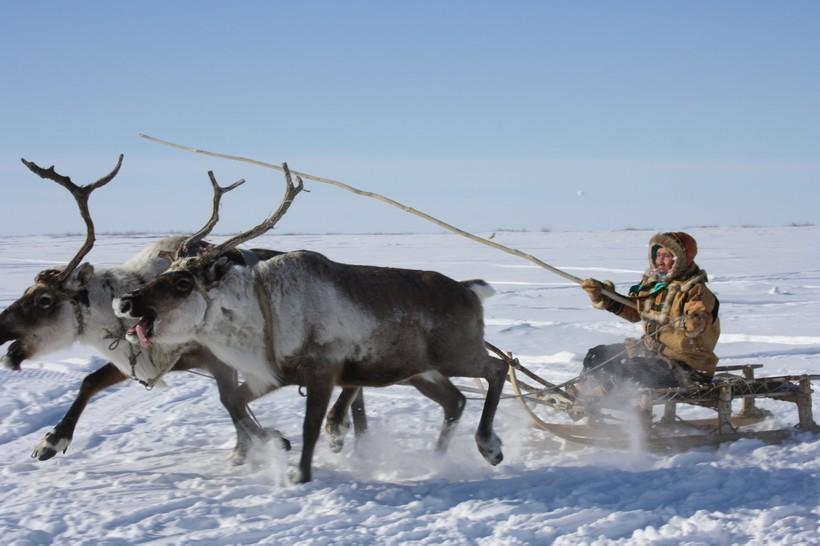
x=291, y=191
x=187, y=245
x=81, y=195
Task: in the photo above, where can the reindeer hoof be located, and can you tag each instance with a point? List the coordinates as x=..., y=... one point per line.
x=492, y=457
x=43, y=454
x=296, y=477
x=336, y=432
x=335, y=439
x=273, y=434
x=49, y=446
x=336, y=444
x=445, y=436
x=491, y=449
x=238, y=456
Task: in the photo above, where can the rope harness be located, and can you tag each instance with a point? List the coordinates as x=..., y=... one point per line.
x=560, y=388
x=78, y=315
x=133, y=356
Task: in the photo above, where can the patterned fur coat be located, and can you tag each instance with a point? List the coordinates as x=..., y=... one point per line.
x=680, y=314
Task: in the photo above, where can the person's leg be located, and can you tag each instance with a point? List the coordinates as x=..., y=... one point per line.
x=602, y=365
x=649, y=372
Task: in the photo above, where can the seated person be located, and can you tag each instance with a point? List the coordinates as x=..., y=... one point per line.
x=680, y=323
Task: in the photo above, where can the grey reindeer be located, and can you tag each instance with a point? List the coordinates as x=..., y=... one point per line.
x=300, y=318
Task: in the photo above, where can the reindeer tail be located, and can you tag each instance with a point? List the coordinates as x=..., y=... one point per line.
x=481, y=288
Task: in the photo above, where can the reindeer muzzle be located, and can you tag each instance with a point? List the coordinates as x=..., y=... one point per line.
x=15, y=355
x=130, y=306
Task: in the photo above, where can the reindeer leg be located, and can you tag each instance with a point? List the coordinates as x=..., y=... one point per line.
x=338, y=419
x=489, y=445
x=59, y=438
x=319, y=390
x=235, y=399
x=439, y=389
x=359, y=415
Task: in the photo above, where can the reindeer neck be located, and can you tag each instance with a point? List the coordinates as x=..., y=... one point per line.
x=233, y=308
x=234, y=328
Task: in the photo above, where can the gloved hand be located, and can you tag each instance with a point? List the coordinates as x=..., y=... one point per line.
x=652, y=345
x=634, y=347
x=593, y=289
x=696, y=318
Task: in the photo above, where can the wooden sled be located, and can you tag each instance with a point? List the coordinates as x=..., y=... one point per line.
x=670, y=432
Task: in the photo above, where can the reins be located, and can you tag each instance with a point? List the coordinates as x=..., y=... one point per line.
x=515, y=252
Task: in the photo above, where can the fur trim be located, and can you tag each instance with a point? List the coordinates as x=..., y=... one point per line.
x=600, y=304
x=662, y=317
x=682, y=245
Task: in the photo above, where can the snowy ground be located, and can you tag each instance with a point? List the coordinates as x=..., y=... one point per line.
x=150, y=467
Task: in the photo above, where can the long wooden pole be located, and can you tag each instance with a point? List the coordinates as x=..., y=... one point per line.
x=515, y=252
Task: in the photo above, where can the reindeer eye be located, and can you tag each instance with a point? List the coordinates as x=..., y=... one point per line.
x=183, y=284
x=45, y=301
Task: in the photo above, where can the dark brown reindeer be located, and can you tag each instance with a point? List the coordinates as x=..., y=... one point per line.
x=300, y=318
x=74, y=304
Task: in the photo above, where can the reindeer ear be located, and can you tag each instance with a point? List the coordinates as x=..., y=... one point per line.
x=218, y=269
x=83, y=274
x=47, y=275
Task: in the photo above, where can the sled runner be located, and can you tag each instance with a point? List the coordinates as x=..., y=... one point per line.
x=603, y=426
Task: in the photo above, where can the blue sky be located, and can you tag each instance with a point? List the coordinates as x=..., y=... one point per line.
x=557, y=115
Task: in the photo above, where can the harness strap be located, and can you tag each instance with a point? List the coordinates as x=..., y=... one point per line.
x=263, y=298
x=78, y=315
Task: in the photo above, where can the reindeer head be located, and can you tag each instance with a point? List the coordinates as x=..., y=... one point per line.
x=170, y=307
x=193, y=245
x=48, y=316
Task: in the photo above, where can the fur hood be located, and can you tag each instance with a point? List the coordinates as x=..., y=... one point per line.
x=682, y=245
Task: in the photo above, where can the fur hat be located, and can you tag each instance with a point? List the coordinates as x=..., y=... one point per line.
x=682, y=245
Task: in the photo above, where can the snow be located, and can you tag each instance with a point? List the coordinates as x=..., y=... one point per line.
x=151, y=467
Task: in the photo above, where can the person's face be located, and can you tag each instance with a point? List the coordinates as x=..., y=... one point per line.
x=664, y=260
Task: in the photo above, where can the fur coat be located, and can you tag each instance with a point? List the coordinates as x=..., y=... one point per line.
x=680, y=314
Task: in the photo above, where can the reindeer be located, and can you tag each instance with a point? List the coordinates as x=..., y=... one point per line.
x=300, y=318
x=75, y=304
